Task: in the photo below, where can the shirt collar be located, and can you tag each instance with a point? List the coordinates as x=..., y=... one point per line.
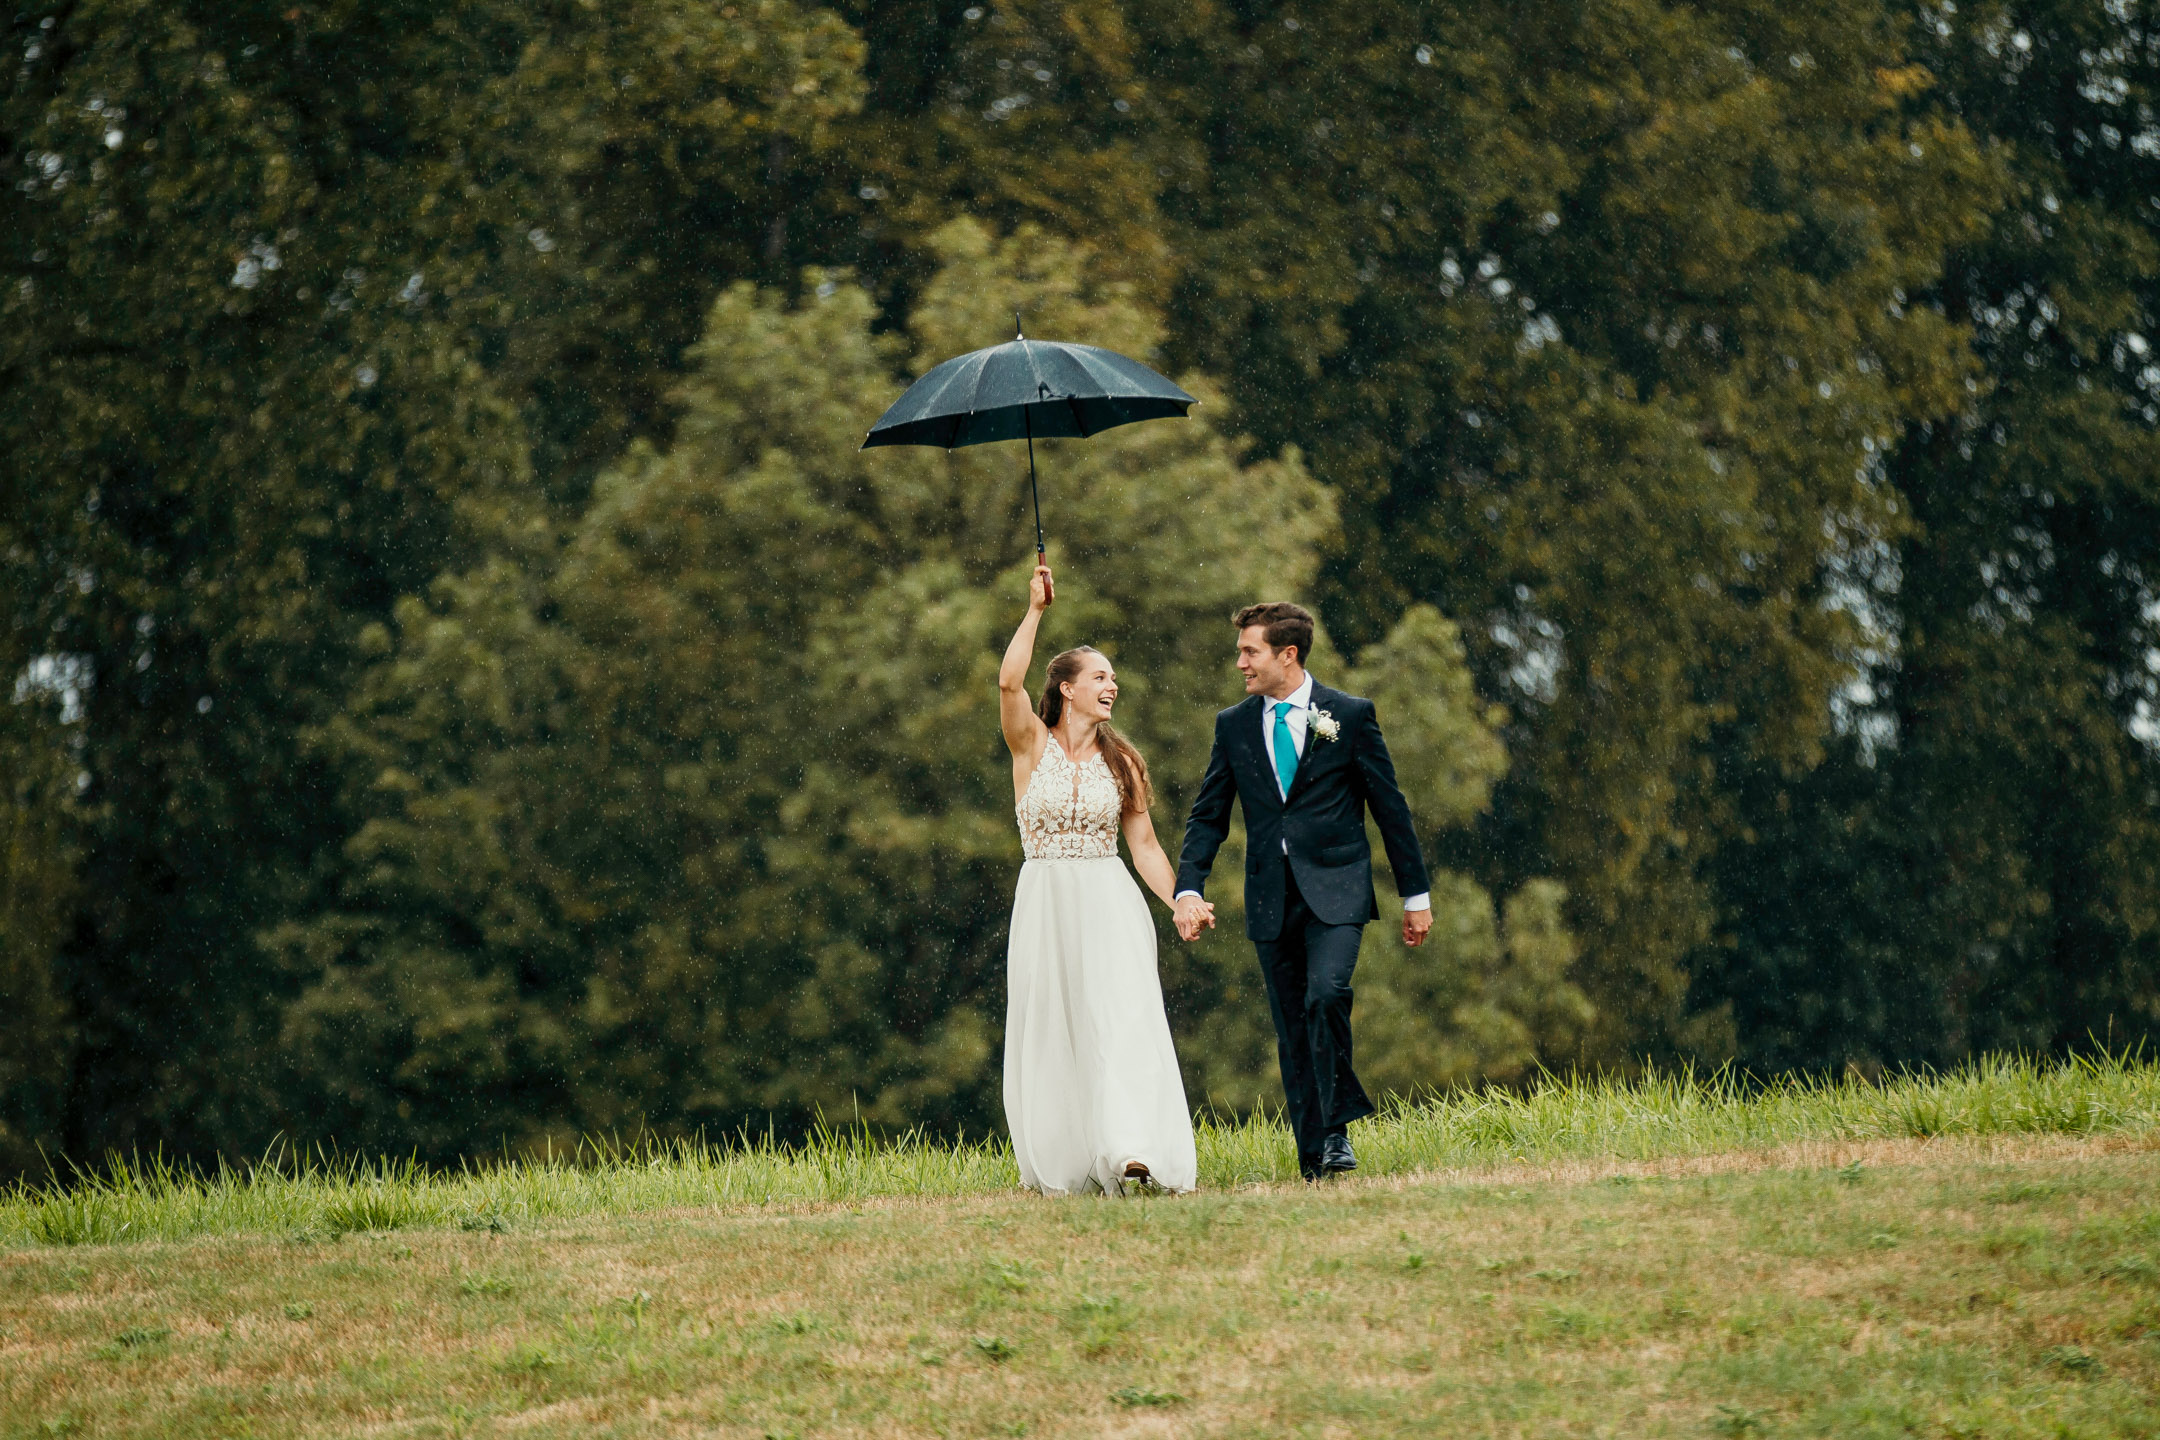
x=1300, y=698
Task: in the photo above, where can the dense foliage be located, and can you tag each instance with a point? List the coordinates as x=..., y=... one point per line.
x=466, y=684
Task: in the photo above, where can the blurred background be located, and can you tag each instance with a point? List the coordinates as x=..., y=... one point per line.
x=465, y=688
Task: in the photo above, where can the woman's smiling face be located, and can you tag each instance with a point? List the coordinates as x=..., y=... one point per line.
x=1091, y=693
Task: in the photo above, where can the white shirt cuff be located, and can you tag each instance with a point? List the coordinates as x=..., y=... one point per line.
x=1418, y=902
x=1182, y=894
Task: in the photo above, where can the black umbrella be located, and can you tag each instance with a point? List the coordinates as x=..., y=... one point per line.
x=1022, y=389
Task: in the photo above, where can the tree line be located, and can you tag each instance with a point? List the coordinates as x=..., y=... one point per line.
x=467, y=687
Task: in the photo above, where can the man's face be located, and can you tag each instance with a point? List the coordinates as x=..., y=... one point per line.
x=1267, y=671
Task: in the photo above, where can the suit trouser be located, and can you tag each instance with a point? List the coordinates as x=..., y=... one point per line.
x=1307, y=969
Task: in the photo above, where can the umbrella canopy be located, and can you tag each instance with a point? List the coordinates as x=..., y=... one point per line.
x=1022, y=389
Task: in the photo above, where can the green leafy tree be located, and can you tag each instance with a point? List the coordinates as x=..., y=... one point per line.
x=37, y=884
x=1492, y=997
x=710, y=819
x=1592, y=320
x=1979, y=865
x=297, y=300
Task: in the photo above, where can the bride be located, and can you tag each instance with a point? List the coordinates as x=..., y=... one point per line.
x=1092, y=1090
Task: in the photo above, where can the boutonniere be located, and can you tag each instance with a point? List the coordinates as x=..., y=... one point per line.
x=1323, y=725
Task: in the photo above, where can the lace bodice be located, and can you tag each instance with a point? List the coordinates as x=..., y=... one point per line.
x=1070, y=812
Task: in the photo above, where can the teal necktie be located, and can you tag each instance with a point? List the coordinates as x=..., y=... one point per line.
x=1285, y=749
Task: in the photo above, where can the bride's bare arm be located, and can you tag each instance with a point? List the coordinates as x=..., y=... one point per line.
x=1148, y=857
x=1024, y=730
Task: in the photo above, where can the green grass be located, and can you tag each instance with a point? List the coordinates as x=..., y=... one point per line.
x=1870, y=1291
x=1655, y=1117
x=1945, y=1256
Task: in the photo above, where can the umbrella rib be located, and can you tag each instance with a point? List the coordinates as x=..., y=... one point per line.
x=982, y=362
x=944, y=386
x=1139, y=385
x=1084, y=356
x=1126, y=386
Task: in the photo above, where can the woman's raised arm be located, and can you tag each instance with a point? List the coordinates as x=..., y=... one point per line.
x=1024, y=730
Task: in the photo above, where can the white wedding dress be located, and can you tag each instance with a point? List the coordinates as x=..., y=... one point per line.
x=1091, y=1080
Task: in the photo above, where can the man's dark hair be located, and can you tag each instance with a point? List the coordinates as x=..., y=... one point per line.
x=1287, y=624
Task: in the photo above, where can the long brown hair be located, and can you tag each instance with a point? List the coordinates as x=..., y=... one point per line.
x=1126, y=765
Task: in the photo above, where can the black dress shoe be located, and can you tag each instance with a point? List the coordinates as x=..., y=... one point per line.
x=1308, y=1168
x=1336, y=1156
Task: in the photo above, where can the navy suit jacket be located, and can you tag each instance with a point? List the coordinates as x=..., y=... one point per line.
x=1323, y=819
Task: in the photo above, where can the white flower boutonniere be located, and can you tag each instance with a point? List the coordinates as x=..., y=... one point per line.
x=1323, y=725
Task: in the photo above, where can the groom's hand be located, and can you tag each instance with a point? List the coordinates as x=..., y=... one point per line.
x=1191, y=915
x=1415, y=925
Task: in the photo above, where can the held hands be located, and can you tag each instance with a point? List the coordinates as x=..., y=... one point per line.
x=1416, y=925
x=1042, y=591
x=1191, y=915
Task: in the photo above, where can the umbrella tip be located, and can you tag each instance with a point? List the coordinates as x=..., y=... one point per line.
x=1018, y=333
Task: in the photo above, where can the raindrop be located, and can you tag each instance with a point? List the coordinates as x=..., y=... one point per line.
x=1121, y=106
x=202, y=705
x=1424, y=54
x=541, y=240
x=825, y=289
x=973, y=12
x=365, y=375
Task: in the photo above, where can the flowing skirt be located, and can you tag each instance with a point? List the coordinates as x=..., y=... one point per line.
x=1091, y=1079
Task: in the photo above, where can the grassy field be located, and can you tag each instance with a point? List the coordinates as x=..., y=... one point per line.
x=1656, y=1117
x=1975, y=1255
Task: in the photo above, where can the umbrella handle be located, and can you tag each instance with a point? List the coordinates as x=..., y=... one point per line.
x=1027, y=422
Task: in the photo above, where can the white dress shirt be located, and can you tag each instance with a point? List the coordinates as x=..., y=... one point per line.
x=1300, y=720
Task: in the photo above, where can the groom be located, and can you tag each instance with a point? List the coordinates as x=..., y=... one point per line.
x=1306, y=762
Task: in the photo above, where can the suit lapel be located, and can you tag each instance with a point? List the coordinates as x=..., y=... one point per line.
x=1252, y=752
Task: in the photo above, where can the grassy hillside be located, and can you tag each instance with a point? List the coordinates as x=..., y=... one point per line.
x=1657, y=1117
x=1977, y=1255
